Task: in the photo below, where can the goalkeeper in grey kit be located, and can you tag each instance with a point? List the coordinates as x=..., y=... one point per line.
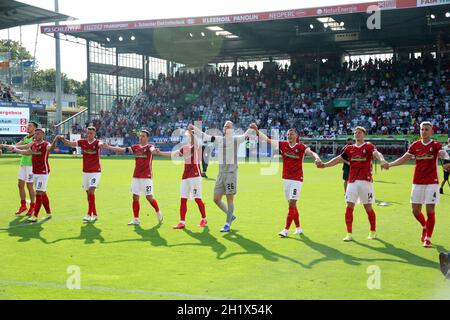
x=226, y=184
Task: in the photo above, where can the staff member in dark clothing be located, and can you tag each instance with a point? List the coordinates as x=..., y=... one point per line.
x=206, y=153
x=346, y=166
x=446, y=173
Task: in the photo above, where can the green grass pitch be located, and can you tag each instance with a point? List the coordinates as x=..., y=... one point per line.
x=156, y=262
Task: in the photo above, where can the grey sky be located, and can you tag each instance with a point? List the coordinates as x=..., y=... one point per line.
x=86, y=11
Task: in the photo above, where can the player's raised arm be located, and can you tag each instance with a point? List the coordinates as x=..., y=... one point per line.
x=443, y=155
x=52, y=146
x=168, y=154
x=24, y=152
x=378, y=155
x=102, y=145
x=204, y=136
x=330, y=163
x=315, y=156
x=262, y=136
x=405, y=158
x=19, y=147
x=72, y=144
x=116, y=149
x=20, y=143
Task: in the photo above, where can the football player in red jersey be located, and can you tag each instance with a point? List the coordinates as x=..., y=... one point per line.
x=293, y=153
x=91, y=150
x=39, y=150
x=360, y=183
x=143, y=176
x=425, y=189
x=191, y=182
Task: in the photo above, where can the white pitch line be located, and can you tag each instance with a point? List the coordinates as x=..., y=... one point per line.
x=106, y=289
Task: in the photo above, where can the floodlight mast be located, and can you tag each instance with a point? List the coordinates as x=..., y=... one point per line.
x=58, y=71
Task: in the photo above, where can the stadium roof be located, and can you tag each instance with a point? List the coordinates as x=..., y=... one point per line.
x=14, y=14
x=342, y=29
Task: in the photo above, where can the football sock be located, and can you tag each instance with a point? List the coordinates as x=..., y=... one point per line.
x=349, y=219
x=91, y=201
x=230, y=213
x=94, y=209
x=136, y=208
x=23, y=203
x=183, y=209
x=421, y=219
x=430, y=224
x=89, y=205
x=372, y=220
x=296, y=218
x=289, y=218
x=201, y=207
x=154, y=204
x=222, y=206
x=38, y=205
x=46, y=203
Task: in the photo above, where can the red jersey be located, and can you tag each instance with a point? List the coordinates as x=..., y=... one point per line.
x=425, y=171
x=292, y=160
x=91, y=155
x=360, y=158
x=192, y=160
x=39, y=157
x=144, y=158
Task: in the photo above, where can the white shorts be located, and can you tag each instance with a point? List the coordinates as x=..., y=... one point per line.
x=91, y=180
x=292, y=189
x=40, y=182
x=142, y=186
x=25, y=174
x=191, y=188
x=425, y=194
x=360, y=191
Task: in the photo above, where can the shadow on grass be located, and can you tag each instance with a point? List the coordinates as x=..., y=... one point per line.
x=206, y=240
x=406, y=256
x=25, y=231
x=252, y=247
x=88, y=232
x=332, y=254
x=151, y=236
x=440, y=248
x=154, y=238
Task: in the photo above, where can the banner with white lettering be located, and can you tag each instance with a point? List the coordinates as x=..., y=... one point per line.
x=427, y=3
x=236, y=18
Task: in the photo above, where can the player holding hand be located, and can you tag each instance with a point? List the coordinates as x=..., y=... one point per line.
x=143, y=176
x=293, y=153
x=425, y=189
x=360, y=183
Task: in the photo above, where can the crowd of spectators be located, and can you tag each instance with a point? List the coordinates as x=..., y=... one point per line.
x=6, y=93
x=387, y=97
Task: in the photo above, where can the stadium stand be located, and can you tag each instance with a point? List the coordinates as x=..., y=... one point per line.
x=388, y=98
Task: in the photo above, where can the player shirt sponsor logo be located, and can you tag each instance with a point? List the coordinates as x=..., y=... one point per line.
x=359, y=159
x=293, y=156
x=90, y=151
x=425, y=157
x=37, y=153
x=141, y=156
